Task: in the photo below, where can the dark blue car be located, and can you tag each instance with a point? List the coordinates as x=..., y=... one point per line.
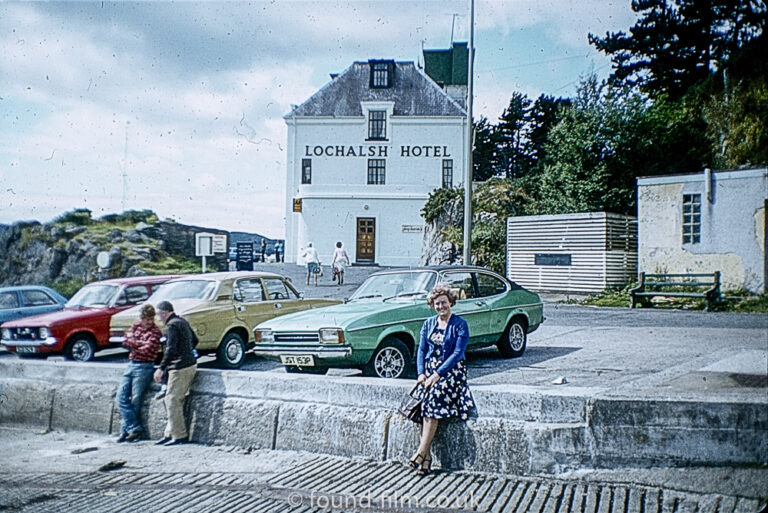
x=25, y=300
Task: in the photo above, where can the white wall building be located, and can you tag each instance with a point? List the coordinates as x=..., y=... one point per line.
x=705, y=222
x=364, y=152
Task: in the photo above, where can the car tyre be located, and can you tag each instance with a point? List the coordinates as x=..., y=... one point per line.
x=80, y=349
x=231, y=352
x=292, y=369
x=390, y=360
x=513, y=340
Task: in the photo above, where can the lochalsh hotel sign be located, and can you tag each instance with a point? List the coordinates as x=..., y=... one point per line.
x=341, y=150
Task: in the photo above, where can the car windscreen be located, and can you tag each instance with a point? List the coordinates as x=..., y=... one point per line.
x=93, y=295
x=396, y=285
x=184, y=289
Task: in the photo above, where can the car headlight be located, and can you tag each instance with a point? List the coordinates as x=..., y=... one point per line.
x=6, y=334
x=264, y=335
x=44, y=333
x=331, y=335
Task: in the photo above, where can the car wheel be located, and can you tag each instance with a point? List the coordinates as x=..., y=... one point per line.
x=231, y=352
x=389, y=360
x=512, y=342
x=80, y=349
x=292, y=369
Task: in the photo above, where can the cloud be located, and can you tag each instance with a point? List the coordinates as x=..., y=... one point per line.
x=187, y=98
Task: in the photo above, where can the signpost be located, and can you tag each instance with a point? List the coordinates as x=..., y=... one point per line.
x=244, y=259
x=204, y=245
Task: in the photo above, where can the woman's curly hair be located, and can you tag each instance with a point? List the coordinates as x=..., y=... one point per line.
x=442, y=289
x=147, y=312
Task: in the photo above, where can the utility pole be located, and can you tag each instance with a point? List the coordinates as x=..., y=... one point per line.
x=125, y=164
x=470, y=140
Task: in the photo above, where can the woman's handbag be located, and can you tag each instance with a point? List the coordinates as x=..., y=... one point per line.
x=410, y=406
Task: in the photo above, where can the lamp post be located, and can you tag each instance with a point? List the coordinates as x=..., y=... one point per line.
x=470, y=130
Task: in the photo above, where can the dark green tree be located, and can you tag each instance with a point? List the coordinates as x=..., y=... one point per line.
x=512, y=130
x=485, y=152
x=677, y=44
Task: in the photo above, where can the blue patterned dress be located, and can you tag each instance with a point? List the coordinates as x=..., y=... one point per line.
x=450, y=396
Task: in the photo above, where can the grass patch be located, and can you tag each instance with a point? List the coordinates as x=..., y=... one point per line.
x=66, y=288
x=173, y=265
x=738, y=301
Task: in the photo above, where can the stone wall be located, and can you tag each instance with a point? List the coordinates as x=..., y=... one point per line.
x=523, y=431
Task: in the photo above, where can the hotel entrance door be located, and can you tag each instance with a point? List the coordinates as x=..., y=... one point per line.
x=366, y=240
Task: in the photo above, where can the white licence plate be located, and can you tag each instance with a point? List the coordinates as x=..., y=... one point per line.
x=298, y=360
x=26, y=349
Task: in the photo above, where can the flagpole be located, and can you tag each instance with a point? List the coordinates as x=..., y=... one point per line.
x=469, y=145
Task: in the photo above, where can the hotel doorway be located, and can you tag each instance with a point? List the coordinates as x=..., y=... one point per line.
x=366, y=240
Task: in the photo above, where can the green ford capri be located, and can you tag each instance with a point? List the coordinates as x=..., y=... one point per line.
x=377, y=329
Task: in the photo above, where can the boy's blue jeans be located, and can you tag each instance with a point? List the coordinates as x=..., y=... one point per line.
x=136, y=378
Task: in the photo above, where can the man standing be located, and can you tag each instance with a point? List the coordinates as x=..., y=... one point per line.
x=263, y=250
x=181, y=364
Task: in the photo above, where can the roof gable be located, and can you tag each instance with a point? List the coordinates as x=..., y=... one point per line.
x=412, y=91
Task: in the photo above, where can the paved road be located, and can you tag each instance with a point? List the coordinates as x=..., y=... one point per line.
x=60, y=472
x=626, y=351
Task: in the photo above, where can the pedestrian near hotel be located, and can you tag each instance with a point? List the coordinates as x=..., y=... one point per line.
x=442, y=372
x=180, y=362
x=339, y=262
x=143, y=342
x=312, y=259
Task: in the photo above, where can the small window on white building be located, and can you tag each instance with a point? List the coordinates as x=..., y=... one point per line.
x=306, y=171
x=376, y=171
x=691, y=218
x=447, y=172
x=377, y=125
x=381, y=74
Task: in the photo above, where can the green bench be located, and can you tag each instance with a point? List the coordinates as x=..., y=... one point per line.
x=685, y=285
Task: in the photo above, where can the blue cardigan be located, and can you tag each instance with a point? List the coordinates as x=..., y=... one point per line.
x=455, y=342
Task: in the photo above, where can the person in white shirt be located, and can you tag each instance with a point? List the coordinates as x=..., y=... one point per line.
x=339, y=262
x=313, y=262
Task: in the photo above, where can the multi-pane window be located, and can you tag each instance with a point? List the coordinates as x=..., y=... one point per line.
x=306, y=171
x=691, y=218
x=377, y=125
x=381, y=74
x=447, y=172
x=376, y=169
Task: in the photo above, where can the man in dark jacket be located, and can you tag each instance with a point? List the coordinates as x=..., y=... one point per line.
x=181, y=364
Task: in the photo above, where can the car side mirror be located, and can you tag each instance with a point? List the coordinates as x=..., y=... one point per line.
x=237, y=295
x=301, y=295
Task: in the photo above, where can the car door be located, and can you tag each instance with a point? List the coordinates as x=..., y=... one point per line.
x=494, y=292
x=38, y=302
x=281, y=298
x=10, y=306
x=472, y=308
x=251, y=306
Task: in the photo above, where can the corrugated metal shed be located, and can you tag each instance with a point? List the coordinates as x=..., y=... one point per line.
x=586, y=252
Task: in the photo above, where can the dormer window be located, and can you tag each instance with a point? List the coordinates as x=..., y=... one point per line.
x=381, y=74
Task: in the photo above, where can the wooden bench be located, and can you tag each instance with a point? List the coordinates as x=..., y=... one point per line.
x=690, y=285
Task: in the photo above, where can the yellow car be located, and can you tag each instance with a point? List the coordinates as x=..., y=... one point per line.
x=223, y=308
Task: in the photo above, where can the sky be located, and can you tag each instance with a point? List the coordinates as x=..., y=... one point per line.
x=178, y=107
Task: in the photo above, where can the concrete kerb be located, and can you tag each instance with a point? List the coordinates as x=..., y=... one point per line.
x=522, y=431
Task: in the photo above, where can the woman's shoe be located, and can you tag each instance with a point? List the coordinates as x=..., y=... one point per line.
x=416, y=461
x=426, y=467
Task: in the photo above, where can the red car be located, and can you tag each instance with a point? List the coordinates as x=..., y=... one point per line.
x=82, y=327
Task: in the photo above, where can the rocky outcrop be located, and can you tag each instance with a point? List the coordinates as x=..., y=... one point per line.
x=31, y=252
x=435, y=250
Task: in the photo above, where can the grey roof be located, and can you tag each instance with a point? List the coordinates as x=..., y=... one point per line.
x=413, y=92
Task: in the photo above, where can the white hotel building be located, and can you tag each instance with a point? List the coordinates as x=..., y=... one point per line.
x=364, y=152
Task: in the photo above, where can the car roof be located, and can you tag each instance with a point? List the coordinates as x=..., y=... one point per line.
x=229, y=275
x=13, y=288
x=138, y=279
x=437, y=268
